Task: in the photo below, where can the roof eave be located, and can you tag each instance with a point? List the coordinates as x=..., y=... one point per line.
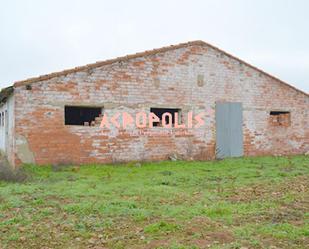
x=5, y=93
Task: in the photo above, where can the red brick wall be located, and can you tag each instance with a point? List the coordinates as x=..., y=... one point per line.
x=190, y=78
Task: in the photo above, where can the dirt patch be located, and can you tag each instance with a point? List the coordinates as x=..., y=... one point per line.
x=262, y=191
x=157, y=244
x=208, y=232
x=222, y=237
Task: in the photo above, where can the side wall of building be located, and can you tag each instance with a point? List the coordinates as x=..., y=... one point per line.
x=7, y=128
x=191, y=78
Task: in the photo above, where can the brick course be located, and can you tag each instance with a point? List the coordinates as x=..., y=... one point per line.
x=189, y=77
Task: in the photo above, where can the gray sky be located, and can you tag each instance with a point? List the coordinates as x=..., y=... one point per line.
x=43, y=36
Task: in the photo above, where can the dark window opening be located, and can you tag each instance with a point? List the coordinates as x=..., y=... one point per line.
x=280, y=118
x=77, y=115
x=274, y=113
x=159, y=113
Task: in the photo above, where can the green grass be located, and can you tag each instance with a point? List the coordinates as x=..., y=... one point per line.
x=249, y=202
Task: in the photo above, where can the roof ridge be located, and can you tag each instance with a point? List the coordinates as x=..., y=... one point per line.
x=147, y=53
x=255, y=68
x=107, y=62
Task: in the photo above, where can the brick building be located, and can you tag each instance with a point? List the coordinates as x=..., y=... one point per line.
x=55, y=118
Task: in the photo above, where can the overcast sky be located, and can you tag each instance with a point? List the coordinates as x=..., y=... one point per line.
x=43, y=36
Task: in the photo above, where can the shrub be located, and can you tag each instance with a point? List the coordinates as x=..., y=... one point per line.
x=8, y=174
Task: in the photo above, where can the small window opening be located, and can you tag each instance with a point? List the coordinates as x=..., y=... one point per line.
x=159, y=113
x=275, y=113
x=280, y=118
x=81, y=115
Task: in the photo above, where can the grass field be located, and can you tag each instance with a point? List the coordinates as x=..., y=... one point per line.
x=235, y=203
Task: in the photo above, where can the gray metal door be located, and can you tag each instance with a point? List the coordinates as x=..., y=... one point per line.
x=229, y=135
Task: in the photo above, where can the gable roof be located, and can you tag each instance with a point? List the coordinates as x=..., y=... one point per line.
x=142, y=54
